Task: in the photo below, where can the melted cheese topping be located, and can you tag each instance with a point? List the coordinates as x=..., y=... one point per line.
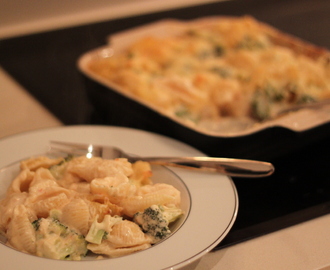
x=231, y=68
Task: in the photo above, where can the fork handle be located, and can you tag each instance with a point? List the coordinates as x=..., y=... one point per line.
x=227, y=166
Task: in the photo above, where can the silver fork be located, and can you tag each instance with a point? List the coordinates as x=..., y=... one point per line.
x=227, y=166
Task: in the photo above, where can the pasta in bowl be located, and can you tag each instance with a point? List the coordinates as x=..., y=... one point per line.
x=85, y=208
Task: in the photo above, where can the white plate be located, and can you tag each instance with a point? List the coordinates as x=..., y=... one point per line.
x=212, y=199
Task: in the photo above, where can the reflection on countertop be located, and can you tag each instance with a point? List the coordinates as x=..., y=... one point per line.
x=25, y=17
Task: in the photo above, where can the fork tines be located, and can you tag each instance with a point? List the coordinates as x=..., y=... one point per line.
x=75, y=149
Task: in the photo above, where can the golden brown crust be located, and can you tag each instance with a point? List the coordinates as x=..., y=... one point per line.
x=220, y=67
x=298, y=45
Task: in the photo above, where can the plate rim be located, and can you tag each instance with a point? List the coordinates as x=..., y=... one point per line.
x=181, y=173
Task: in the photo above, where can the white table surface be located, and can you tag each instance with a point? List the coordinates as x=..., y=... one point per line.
x=303, y=246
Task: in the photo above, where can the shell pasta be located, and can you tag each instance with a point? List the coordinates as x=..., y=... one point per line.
x=65, y=208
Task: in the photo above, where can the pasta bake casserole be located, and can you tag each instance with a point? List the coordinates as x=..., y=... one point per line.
x=65, y=208
x=223, y=68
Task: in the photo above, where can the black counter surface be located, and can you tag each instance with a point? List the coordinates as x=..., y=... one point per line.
x=45, y=64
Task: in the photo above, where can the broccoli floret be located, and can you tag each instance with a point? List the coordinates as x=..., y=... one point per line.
x=263, y=100
x=100, y=230
x=184, y=113
x=54, y=240
x=250, y=43
x=260, y=106
x=220, y=71
x=171, y=214
x=154, y=221
x=36, y=224
x=58, y=170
